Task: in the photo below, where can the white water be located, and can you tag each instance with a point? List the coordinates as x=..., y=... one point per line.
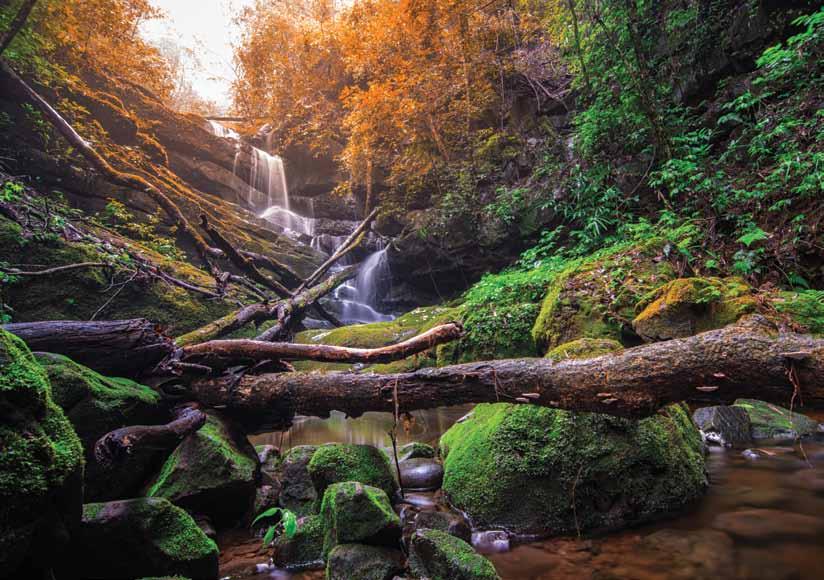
x=223, y=131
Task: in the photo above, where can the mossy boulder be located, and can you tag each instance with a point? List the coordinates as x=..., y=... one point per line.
x=269, y=459
x=141, y=537
x=297, y=490
x=41, y=463
x=304, y=550
x=362, y=562
x=214, y=471
x=96, y=405
x=515, y=467
x=687, y=306
x=356, y=513
x=440, y=556
x=416, y=450
x=337, y=462
x=584, y=348
x=768, y=421
x=593, y=297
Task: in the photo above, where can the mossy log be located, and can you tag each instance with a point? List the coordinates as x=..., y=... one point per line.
x=750, y=360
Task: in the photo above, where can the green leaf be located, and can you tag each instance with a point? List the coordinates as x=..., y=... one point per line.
x=271, y=512
x=269, y=536
x=290, y=523
x=752, y=236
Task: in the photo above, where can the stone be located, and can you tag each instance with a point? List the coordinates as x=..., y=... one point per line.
x=41, y=464
x=448, y=522
x=723, y=425
x=421, y=474
x=269, y=458
x=356, y=513
x=416, y=450
x=297, y=491
x=361, y=562
x=214, y=471
x=266, y=496
x=436, y=554
x=304, y=550
x=514, y=467
x=490, y=541
x=702, y=554
x=768, y=421
x=339, y=462
x=141, y=537
x=761, y=525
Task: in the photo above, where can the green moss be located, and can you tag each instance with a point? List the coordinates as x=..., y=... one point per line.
x=415, y=450
x=440, y=556
x=515, y=467
x=337, y=462
x=805, y=308
x=362, y=562
x=768, y=421
x=354, y=512
x=584, y=348
x=303, y=550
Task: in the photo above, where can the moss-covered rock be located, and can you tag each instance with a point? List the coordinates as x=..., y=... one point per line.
x=356, y=513
x=768, y=421
x=141, y=537
x=41, y=462
x=361, y=562
x=441, y=556
x=304, y=550
x=213, y=471
x=687, y=306
x=515, y=467
x=416, y=450
x=584, y=348
x=297, y=490
x=337, y=462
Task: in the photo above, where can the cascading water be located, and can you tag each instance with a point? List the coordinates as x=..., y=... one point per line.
x=359, y=298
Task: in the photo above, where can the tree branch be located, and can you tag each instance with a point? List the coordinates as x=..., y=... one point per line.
x=16, y=24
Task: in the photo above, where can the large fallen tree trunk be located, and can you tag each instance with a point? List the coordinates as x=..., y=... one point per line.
x=117, y=347
x=714, y=367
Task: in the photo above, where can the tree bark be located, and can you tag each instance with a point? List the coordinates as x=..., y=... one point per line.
x=118, y=347
x=16, y=24
x=715, y=367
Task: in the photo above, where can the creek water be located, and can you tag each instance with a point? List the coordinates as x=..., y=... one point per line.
x=761, y=519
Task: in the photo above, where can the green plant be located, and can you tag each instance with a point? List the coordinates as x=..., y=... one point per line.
x=286, y=524
x=11, y=190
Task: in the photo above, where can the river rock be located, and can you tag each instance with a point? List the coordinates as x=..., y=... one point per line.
x=269, y=458
x=41, y=465
x=356, y=513
x=338, y=462
x=297, y=491
x=266, y=497
x=361, y=562
x=436, y=554
x=766, y=525
x=768, y=421
x=724, y=425
x=421, y=474
x=141, y=537
x=448, y=522
x=214, y=471
x=304, y=550
x=697, y=554
x=514, y=467
x=416, y=450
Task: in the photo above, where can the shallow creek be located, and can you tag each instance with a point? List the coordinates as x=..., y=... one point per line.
x=761, y=519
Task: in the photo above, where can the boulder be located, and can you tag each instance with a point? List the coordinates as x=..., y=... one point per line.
x=687, y=306
x=214, y=471
x=266, y=497
x=421, y=474
x=532, y=470
x=584, y=348
x=269, y=459
x=415, y=450
x=356, y=513
x=768, y=421
x=304, y=550
x=448, y=522
x=361, y=562
x=338, y=462
x=436, y=554
x=297, y=491
x=41, y=464
x=141, y=537
x=723, y=425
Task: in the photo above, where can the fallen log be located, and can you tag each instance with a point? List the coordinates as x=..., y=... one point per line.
x=287, y=274
x=748, y=360
x=125, y=348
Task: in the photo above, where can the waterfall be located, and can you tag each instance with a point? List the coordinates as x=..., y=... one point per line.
x=359, y=297
x=223, y=131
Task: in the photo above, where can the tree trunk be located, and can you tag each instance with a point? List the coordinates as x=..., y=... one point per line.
x=17, y=24
x=714, y=367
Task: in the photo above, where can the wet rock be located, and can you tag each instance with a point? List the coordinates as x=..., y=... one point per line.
x=141, y=537
x=490, y=541
x=809, y=479
x=205, y=524
x=269, y=458
x=416, y=450
x=266, y=496
x=339, y=462
x=357, y=513
x=421, y=500
x=768, y=421
x=723, y=425
x=513, y=467
x=705, y=554
x=297, y=491
x=304, y=550
x=436, y=554
x=361, y=562
x=765, y=525
x=213, y=471
x=448, y=522
x=41, y=465
x=421, y=473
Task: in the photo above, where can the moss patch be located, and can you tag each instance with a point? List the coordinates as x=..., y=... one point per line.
x=338, y=462
x=584, y=348
x=438, y=555
x=805, y=308
x=354, y=512
x=768, y=421
x=516, y=467
x=303, y=550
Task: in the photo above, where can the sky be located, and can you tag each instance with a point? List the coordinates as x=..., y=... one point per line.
x=206, y=27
